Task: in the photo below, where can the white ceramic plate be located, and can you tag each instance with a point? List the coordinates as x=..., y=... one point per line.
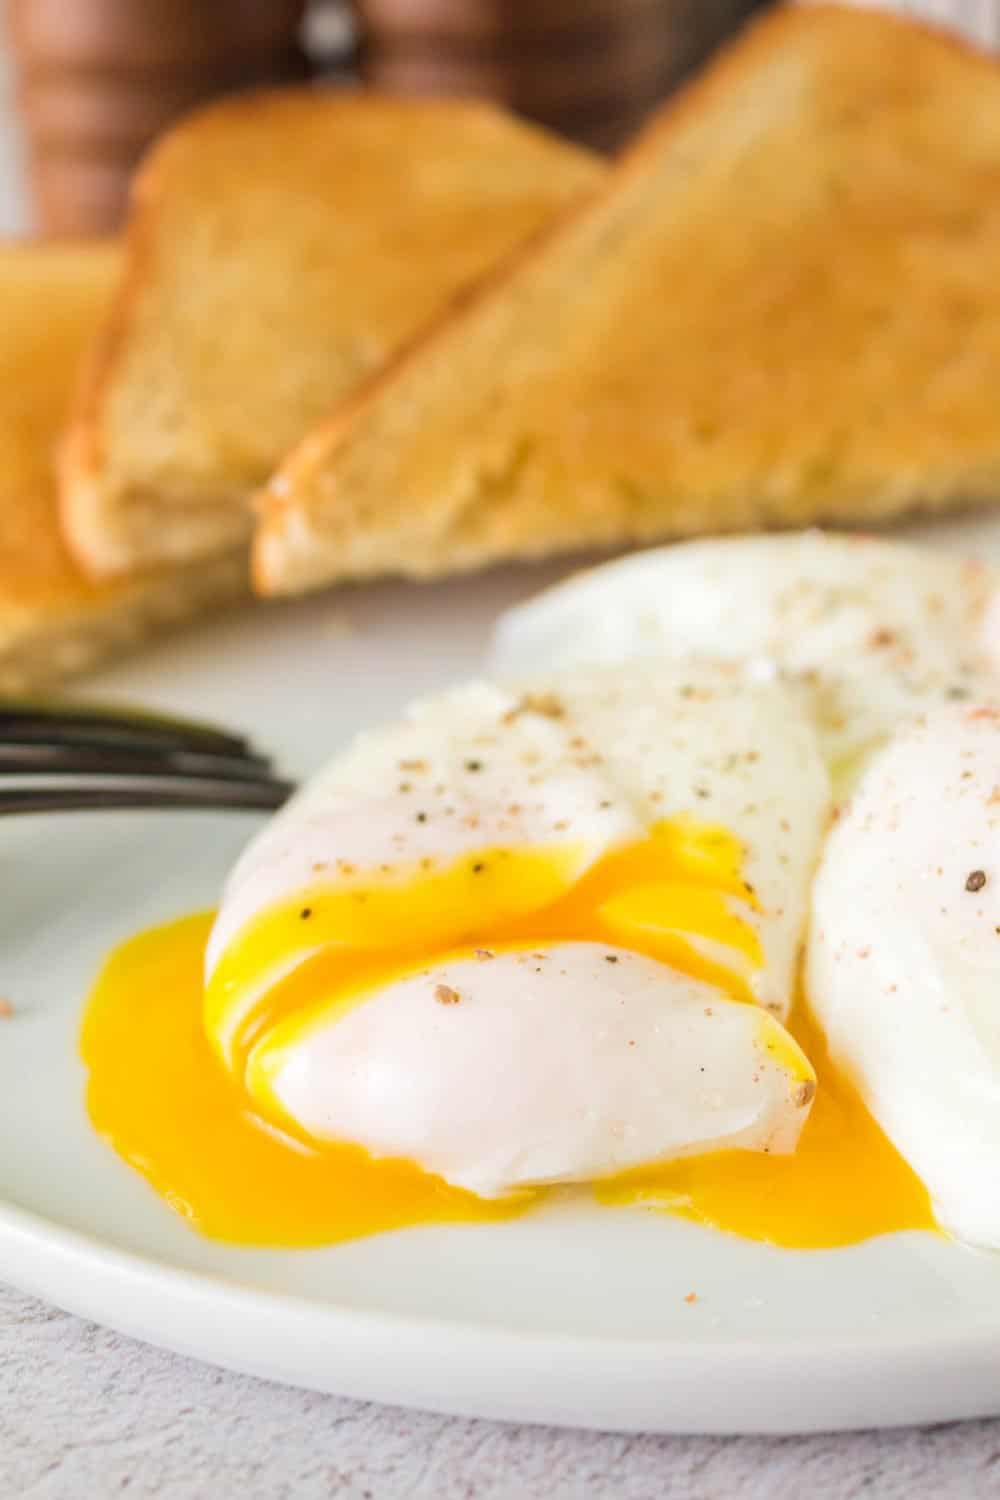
x=576, y=1315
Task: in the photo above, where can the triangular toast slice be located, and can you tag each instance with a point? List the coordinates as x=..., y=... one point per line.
x=53, y=622
x=783, y=308
x=281, y=245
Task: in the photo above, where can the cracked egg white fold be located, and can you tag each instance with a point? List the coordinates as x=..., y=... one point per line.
x=865, y=631
x=503, y=938
x=513, y=1069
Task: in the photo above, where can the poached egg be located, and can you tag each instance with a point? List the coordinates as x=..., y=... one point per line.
x=903, y=967
x=865, y=632
x=512, y=939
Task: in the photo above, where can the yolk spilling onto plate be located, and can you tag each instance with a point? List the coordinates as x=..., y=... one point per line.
x=844, y=1183
x=166, y=1076
x=159, y=1095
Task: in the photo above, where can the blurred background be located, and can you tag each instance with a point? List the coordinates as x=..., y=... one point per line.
x=85, y=85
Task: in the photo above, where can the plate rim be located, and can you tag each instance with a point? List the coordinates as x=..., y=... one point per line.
x=663, y=1385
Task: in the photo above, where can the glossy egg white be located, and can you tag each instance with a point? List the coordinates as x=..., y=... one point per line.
x=866, y=631
x=527, y=1068
x=903, y=968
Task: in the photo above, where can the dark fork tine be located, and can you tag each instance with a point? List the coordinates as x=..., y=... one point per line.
x=39, y=759
x=80, y=756
x=81, y=723
x=146, y=793
x=126, y=740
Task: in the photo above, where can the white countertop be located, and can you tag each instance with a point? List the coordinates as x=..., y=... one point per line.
x=85, y=1412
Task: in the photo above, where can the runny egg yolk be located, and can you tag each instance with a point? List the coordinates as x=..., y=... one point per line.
x=168, y=1065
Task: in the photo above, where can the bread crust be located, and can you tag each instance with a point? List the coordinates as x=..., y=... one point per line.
x=55, y=623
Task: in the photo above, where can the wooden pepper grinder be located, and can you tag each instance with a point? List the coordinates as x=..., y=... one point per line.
x=99, y=79
x=590, y=68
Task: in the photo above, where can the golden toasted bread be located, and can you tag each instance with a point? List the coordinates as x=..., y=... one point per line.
x=782, y=308
x=281, y=245
x=54, y=623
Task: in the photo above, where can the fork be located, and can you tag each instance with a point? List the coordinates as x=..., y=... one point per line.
x=73, y=757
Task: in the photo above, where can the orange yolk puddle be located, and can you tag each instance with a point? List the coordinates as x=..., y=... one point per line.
x=845, y=1182
x=168, y=1065
x=158, y=1094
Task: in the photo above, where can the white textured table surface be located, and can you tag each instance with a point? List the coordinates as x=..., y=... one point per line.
x=87, y=1413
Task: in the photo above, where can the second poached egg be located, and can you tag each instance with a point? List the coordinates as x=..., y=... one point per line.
x=903, y=967
x=865, y=632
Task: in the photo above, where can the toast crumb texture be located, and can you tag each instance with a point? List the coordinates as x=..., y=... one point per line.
x=53, y=622
x=782, y=309
x=281, y=245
